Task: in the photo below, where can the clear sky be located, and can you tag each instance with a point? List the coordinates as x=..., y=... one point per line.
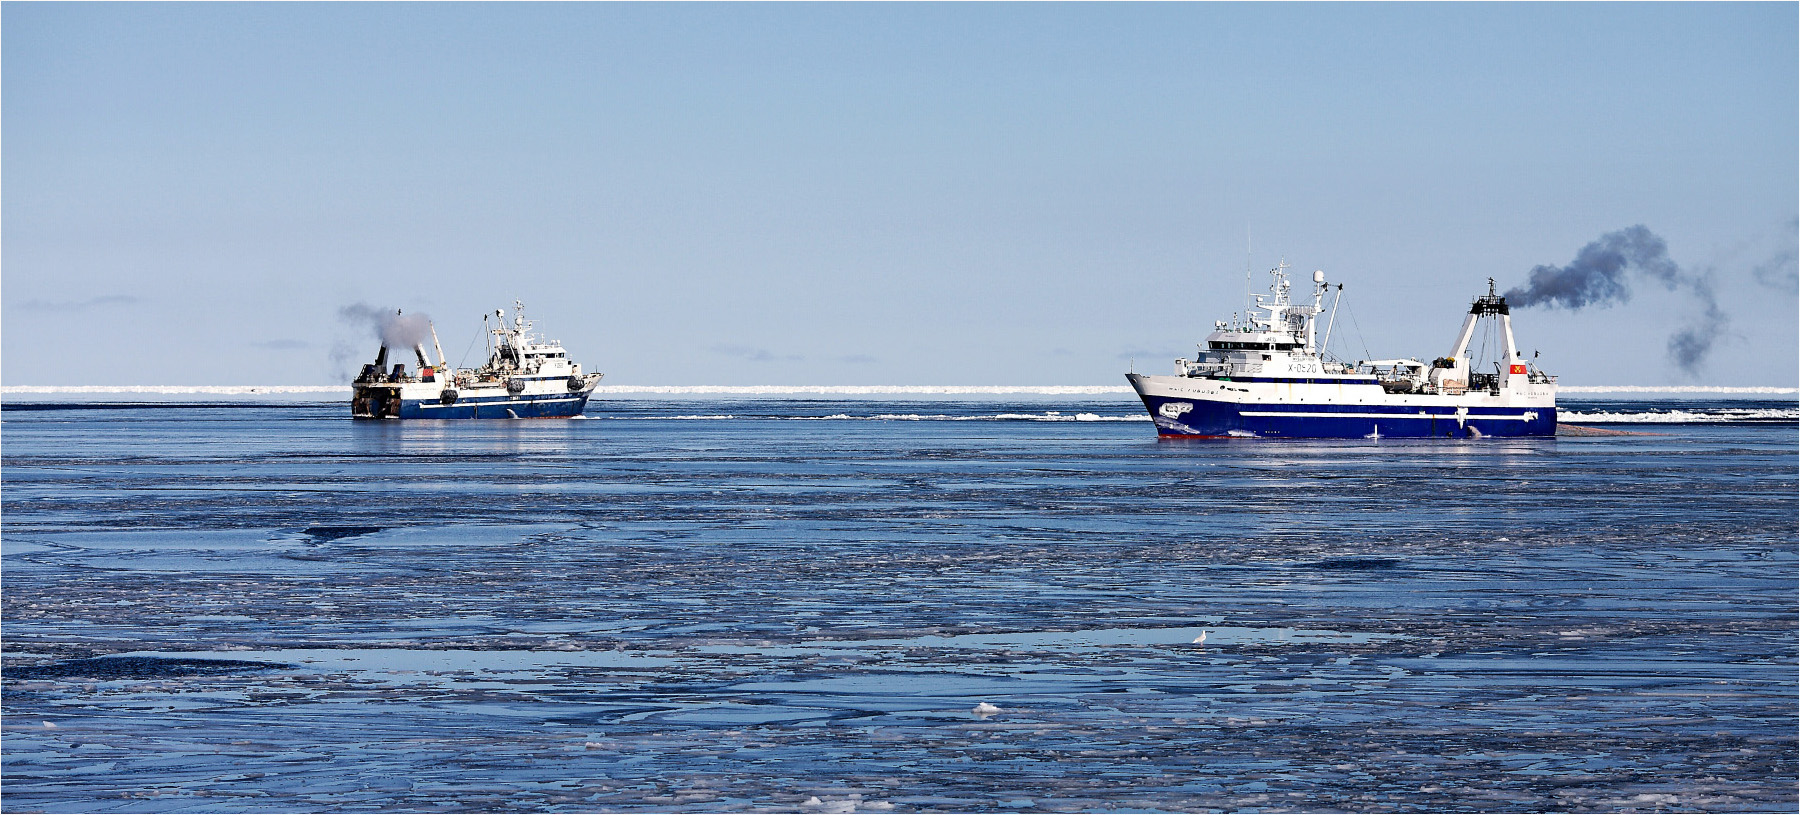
x=877, y=194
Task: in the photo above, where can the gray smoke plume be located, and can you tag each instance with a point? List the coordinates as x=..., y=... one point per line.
x=397, y=330
x=1781, y=271
x=1689, y=346
x=1597, y=277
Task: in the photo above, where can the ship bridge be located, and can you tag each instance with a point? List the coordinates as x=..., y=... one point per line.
x=1276, y=336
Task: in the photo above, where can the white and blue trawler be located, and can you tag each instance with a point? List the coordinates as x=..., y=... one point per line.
x=524, y=378
x=1267, y=376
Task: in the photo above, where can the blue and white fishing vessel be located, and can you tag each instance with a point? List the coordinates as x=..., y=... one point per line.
x=525, y=377
x=1266, y=376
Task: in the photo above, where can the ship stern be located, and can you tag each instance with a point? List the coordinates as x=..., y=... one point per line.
x=375, y=400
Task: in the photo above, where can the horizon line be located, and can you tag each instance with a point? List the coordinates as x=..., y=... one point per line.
x=1046, y=390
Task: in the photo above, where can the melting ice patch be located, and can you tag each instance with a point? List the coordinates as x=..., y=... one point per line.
x=1053, y=416
x=410, y=665
x=1084, y=640
x=1718, y=416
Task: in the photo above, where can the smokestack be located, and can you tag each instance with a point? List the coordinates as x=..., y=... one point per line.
x=392, y=327
x=419, y=349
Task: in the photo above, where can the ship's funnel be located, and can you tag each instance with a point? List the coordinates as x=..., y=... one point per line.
x=419, y=348
x=381, y=358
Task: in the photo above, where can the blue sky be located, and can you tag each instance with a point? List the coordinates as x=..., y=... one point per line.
x=873, y=193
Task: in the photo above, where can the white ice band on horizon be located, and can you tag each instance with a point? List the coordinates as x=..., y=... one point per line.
x=1001, y=390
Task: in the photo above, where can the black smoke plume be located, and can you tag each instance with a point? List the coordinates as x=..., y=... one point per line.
x=1599, y=274
x=1596, y=277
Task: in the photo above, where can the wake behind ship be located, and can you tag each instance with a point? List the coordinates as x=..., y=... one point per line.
x=524, y=378
x=1267, y=376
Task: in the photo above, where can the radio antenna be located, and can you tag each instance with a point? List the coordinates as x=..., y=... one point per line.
x=1247, y=256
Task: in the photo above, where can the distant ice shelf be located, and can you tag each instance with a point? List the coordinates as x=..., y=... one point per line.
x=174, y=390
x=1693, y=389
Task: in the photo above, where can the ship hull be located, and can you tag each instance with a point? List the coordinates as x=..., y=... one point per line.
x=1190, y=407
x=500, y=407
x=548, y=400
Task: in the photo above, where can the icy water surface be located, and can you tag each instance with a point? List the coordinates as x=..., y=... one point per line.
x=891, y=606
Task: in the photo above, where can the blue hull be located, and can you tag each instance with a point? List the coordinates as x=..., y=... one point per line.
x=556, y=406
x=1201, y=418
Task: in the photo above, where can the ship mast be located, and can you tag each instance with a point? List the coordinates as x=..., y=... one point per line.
x=437, y=345
x=1332, y=321
x=1454, y=371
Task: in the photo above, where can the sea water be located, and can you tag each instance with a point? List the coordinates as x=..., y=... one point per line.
x=861, y=605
